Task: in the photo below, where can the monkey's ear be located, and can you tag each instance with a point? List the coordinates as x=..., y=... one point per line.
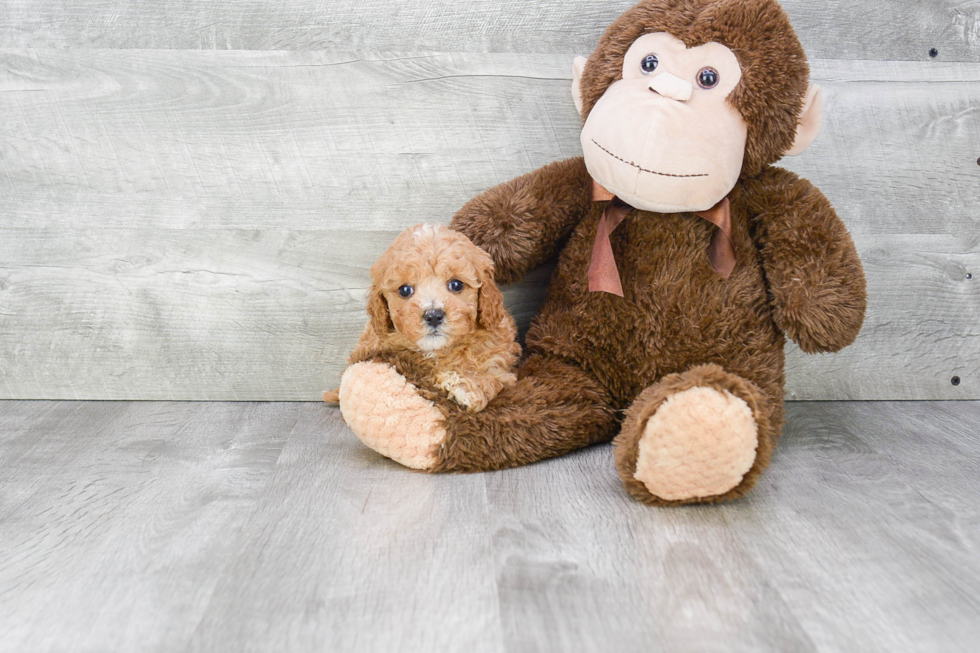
x=577, y=67
x=810, y=121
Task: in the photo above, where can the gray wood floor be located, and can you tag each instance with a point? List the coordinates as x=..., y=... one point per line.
x=268, y=527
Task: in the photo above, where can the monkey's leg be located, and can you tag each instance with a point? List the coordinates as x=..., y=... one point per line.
x=554, y=408
x=702, y=436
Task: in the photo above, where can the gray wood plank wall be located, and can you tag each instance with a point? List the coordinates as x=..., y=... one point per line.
x=191, y=195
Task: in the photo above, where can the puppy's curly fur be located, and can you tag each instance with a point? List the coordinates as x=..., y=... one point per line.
x=433, y=306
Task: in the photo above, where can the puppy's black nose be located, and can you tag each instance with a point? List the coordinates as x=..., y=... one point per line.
x=434, y=316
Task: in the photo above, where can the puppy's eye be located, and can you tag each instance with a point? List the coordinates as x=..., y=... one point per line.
x=456, y=285
x=406, y=291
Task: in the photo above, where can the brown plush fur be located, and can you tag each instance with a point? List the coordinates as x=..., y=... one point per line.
x=554, y=408
x=472, y=354
x=593, y=356
x=523, y=222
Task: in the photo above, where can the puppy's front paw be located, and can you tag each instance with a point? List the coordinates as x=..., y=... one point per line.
x=447, y=381
x=471, y=400
x=461, y=391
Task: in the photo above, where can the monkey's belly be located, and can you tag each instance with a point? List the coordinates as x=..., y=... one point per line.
x=677, y=311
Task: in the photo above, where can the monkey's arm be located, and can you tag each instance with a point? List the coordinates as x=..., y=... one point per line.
x=815, y=276
x=520, y=222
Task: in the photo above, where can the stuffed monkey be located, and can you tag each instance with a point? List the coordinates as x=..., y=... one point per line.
x=684, y=259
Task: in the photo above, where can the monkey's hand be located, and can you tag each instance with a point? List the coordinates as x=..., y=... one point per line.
x=813, y=270
x=521, y=222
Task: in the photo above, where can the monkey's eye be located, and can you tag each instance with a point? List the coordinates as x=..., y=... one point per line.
x=649, y=64
x=708, y=78
x=456, y=285
x=406, y=291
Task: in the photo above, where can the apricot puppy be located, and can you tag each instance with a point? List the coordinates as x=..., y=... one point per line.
x=433, y=296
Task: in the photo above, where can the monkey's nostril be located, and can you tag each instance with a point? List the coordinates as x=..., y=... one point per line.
x=434, y=316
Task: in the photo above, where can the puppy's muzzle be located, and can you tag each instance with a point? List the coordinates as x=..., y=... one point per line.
x=434, y=317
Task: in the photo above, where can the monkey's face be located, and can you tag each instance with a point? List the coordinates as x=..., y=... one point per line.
x=665, y=138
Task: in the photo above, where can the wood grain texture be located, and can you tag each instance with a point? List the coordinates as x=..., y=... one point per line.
x=258, y=527
x=404, y=555
x=582, y=567
x=833, y=29
x=181, y=314
x=251, y=140
x=118, y=519
x=199, y=225
x=345, y=141
x=850, y=474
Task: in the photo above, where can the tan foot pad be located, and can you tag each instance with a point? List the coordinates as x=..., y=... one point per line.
x=699, y=443
x=388, y=415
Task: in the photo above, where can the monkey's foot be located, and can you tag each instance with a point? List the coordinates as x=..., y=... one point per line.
x=699, y=443
x=693, y=437
x=387, y=414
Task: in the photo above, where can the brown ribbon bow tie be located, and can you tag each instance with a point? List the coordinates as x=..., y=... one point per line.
x=603, y=274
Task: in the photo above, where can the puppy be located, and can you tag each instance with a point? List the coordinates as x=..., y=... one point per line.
x=433, y=298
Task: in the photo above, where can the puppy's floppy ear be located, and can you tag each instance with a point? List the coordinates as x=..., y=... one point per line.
x=377, y=308
x=491, y=314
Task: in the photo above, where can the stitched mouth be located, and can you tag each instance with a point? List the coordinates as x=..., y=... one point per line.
x=642, y=169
